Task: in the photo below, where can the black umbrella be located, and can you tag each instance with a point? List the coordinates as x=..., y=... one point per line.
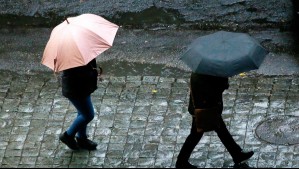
x=224, y=54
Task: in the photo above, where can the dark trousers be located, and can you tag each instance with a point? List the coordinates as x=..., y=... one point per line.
x=193, y=139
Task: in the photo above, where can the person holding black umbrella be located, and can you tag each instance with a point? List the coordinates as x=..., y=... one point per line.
x=213, y=59
x=206, y=93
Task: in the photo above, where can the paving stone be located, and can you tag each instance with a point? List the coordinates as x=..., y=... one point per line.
x=140, y=122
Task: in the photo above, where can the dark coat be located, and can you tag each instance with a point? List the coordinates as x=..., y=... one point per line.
x=80, y=81
x=206, y=91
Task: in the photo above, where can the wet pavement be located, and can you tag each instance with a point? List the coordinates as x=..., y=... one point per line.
x=141, y=121
x=21, y=49
x=141, y=106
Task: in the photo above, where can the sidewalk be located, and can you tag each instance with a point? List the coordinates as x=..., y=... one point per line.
x=142, y=121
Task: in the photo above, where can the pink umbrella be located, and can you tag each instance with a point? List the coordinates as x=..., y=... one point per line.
x=77, y=41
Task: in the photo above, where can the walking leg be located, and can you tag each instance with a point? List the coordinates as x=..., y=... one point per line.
x=188, y=147
x=85, y=115
x=232, y=147
x=227, y=139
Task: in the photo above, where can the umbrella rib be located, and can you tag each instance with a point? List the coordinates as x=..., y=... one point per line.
x=90, y=37
x=81, y=25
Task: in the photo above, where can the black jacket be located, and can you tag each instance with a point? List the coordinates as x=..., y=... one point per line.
x=206, y=91
x=80, y=81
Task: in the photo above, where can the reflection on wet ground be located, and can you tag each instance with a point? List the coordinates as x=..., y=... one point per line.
x=123, y=68
x=142, y=121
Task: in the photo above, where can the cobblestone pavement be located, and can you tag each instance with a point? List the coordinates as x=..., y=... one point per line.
x=141, y=121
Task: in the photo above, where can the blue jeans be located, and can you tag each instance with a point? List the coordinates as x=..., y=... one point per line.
x=85, y=115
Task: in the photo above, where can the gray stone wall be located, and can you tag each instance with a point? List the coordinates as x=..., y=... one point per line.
x=199, y=14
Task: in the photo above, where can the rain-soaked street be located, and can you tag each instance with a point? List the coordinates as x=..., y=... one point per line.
x=141, y=106
x=141, y=116
x=142, y=121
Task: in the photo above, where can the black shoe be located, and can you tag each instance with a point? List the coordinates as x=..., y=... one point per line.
x=69, y=141
x=243, y=157
x=184, y=165
x=86, y=144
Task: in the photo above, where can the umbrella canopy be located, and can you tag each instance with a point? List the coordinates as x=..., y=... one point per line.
x=78, y=40
x=224, y=54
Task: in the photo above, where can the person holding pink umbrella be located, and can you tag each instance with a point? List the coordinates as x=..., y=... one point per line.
x=72, y=49
x=77, y=85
